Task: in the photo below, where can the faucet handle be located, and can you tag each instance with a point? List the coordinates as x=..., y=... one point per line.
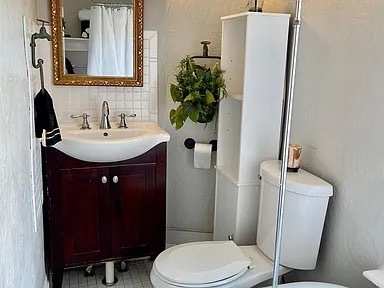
x=122, y=124
x=42, y=21
x=133, y=115
x=85, y=125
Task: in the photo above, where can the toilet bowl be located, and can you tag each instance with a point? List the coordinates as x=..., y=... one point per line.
x=224, y=264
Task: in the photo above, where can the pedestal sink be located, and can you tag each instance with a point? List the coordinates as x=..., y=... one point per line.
x=111, y=145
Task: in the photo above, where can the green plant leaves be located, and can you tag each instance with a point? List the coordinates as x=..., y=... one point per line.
x=179, y=123
x=178, y=117
x=194, y=115
x=200, y=73
x=192, y=96
x=199, y=90
x=197, y=85
x=209, y=98
x=175, y=93
x=172, y=116
x=191, y=64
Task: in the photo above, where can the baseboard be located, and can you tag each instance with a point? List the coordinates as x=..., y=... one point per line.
x=175, y=237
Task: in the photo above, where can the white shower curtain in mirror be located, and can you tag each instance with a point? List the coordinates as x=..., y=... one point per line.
x=110, y=51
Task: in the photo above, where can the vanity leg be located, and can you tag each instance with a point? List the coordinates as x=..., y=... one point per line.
x=110, y=279
x=57, y=278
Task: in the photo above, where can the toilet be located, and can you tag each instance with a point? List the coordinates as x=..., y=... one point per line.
x=310, y=285
x=225, y=264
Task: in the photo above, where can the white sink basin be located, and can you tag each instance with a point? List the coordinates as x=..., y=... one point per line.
x=111, y=145
x=107, y=135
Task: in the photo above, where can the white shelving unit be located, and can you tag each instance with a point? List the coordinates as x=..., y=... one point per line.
x=254, y=53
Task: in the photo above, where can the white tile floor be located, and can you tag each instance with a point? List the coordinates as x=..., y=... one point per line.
x=136, y=276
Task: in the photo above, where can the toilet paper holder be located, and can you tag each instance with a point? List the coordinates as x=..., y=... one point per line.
x=189, y=143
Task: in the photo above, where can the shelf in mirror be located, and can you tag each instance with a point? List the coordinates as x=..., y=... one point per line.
x=76, y=44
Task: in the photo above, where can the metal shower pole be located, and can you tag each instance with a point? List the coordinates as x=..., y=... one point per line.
x=286, y=137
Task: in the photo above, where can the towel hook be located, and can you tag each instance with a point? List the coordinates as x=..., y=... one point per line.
x=43, y=34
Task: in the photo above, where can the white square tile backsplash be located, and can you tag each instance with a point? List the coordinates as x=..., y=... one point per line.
x=139, y=100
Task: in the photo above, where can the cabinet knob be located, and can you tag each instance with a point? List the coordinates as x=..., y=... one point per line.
x=104, y=179
x=115, y=179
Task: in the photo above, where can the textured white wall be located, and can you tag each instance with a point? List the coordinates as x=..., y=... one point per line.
x=21, y=248
x=338, y=118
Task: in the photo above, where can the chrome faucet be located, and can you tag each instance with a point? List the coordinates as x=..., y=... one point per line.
x=104, y=124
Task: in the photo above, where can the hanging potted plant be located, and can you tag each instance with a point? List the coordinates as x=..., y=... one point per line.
x=199, y=90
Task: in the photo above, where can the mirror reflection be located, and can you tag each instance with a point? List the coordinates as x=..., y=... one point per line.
x=98, y=37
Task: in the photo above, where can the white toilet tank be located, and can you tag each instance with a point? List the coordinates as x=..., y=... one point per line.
x=306, y=203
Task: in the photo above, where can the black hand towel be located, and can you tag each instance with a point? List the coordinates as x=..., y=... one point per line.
x=45, y=118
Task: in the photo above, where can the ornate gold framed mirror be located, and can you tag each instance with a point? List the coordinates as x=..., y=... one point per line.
x=97, y=42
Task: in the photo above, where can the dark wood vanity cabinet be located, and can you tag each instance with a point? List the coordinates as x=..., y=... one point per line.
x=83, y=208
x=98, y=212
x=132, y=197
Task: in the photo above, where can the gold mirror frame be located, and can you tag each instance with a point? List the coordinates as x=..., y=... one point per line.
x=59, y=78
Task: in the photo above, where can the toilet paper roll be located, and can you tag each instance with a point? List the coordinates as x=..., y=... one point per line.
x=202, y=156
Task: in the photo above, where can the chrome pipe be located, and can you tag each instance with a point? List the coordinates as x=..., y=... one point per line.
x=286, y=137
x=110, y=273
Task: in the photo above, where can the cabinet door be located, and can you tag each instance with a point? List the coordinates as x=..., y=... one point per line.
x=131, y=201
x=85, y=215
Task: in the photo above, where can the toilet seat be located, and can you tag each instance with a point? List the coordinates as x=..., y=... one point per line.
x=201, y=264
x=261, y=269
x=204, y=285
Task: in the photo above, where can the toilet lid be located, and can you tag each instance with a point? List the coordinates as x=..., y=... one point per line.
x=201, y=263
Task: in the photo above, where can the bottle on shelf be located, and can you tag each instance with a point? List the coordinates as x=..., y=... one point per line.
x=255, y=5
